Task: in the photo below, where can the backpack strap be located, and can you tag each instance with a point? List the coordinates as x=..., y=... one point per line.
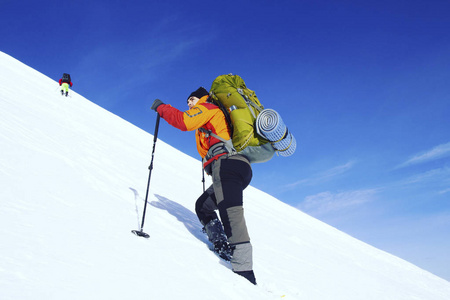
x=228, y=143
x=215, y=151
x=249, y=102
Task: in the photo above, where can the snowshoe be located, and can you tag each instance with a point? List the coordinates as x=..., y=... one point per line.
x=224, y=250
x=218, y=238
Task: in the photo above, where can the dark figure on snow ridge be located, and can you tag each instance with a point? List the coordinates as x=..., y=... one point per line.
x=231, y=174
x=64, y=82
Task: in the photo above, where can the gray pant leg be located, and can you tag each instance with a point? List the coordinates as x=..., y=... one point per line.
x=242, y=259
x=231, y=210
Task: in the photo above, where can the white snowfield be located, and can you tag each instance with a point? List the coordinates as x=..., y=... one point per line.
x=73, y=179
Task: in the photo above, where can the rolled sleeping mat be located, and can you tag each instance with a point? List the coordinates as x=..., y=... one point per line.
x=270, y=125
x=286, y=147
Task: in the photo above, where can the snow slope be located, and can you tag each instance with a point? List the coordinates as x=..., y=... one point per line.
x=73, y=178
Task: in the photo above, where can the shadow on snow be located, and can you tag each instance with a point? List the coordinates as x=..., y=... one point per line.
x=184, y=215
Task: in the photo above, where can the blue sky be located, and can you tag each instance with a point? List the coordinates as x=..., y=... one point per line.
x=363, y=86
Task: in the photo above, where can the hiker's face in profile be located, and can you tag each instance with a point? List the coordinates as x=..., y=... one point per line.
x=192, y=101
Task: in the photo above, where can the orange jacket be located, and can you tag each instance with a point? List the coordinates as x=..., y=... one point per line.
x=203, y=114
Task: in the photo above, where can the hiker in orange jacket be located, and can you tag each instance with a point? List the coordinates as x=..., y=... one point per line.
x=231, y=174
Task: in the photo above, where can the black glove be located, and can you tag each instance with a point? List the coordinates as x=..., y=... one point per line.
x=155, y=104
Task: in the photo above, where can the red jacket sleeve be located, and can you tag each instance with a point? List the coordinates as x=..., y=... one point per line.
x=172, y=115
x=60, y=81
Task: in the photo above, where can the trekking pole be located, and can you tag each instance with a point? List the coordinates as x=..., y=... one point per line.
x=203, y=177
x=155, y=137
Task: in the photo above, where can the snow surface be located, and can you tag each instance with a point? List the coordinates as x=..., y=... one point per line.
x=73, y=179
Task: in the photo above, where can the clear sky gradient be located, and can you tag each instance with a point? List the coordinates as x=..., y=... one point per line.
x=362, y=85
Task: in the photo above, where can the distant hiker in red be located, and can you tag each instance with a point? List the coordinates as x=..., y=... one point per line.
x=64, y=82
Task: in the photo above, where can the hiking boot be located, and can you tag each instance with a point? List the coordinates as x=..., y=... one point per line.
x=217, y=236
x=249, y=275
x=222, y=248
x=62, y=92
x=67, y=94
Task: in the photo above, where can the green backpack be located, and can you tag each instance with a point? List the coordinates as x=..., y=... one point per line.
x=241, y=107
